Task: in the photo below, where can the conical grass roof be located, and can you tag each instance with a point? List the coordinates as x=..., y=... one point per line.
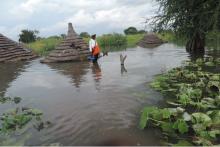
x=150, y=40
x=72, y=48
x=11, y=51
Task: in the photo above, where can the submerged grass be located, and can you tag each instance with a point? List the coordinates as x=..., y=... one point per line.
x=192, y=115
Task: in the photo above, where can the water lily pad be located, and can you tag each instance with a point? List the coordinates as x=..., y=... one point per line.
x=214, y=133
x=215, y=116
x=145, y=116
x=181, y=126
x=35, y=112
x=167, y=127
x=201, y=118
x=4, y=99
x=210, y=63
x=215, y=77
x=199, y=61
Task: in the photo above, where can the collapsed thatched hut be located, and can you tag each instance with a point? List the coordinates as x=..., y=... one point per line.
x=150, y=40
x=72, y=48
x=12, y=51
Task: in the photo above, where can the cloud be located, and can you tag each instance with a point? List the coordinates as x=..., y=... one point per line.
x=12, y=32
x=50, y=17
x=25, y=9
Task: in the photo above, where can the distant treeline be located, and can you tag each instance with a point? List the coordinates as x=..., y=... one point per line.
x=107, y=42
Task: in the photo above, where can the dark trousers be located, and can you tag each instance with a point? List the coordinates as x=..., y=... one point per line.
x=96, y=58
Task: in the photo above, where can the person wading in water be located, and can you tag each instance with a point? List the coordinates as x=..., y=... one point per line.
x=94, y=48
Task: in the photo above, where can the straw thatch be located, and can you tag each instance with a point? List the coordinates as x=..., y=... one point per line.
x=11, y=51
x=73, y=48
x=150, y=40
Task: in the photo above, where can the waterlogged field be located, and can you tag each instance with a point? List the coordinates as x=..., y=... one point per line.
x=83, y=103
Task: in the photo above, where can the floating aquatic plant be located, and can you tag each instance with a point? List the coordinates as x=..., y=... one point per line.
x=19, y=120
x=195, y=104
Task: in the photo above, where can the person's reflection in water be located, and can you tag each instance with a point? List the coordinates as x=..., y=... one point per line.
x=97, y=74
x=123, y=69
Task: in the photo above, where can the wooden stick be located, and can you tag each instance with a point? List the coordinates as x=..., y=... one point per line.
x=122, y=59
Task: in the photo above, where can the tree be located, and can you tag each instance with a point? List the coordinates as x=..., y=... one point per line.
x=190, y=18
x=141, y=32
x=28, y=36
x=130, y=31
x=84, y=35
x=63, y=36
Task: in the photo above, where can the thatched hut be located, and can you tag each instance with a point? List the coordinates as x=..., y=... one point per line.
x=150, y=40
x=72, y=48
x=11, y=51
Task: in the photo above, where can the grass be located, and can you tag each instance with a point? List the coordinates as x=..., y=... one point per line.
x=107, y=42
x=170, y=36
x=43, y=46
x=213, y=40
x=116, y=42
x=132, y=40
x=112, y=42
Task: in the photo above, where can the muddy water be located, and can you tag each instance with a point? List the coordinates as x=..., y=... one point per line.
x=91, y=104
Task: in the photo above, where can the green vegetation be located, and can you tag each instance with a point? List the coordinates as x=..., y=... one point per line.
x=108, y=42
x=192, y=115
x=28, y=36
x=170, y=36
x=43, y=46
x=18, y=120
x=112, y=42
x=132, y=40
x=133, y=31
x=84, y=35
x=189, y=18
x=212, y=39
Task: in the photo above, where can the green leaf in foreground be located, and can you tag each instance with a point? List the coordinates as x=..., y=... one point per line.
x=145, y=116
x=181, y=126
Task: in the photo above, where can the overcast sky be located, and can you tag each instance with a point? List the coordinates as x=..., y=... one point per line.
x=50, y=17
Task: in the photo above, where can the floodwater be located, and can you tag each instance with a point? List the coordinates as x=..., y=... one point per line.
x=90, y=104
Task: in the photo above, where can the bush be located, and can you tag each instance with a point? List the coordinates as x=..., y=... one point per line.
x=112, y=41
x=84, y=35
x=131, y=31
x=43, y=46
